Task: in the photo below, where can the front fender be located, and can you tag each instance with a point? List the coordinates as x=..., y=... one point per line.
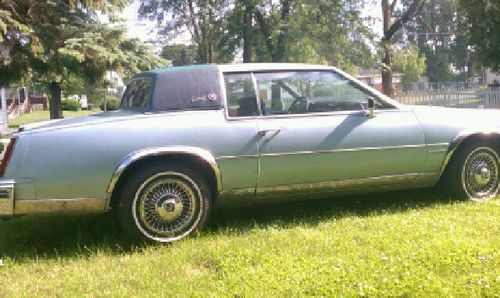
x=489, y=132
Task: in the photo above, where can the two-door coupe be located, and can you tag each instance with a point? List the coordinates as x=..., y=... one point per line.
x=187, y=138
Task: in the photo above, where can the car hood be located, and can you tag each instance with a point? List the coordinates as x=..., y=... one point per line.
x=444, y=124
x=78, y=121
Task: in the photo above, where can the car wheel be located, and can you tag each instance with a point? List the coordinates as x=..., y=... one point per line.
x=475, y=172
x=164, y=203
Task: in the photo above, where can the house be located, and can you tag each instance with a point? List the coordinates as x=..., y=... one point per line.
x=373, y=78
x=491, y=77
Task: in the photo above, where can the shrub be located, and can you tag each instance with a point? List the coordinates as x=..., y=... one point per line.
x=70, y=105
x=113, y=104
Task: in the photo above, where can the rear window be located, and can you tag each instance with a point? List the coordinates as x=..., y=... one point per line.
x=137, y=94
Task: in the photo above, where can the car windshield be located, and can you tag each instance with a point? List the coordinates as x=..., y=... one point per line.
x=137, y=94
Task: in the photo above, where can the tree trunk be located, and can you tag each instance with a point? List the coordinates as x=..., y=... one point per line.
x=210, y=53
x=266, y=31
x=202, y=50
x=55, y=101
x=387, y=71
x=210, y=36
x=279, y=53
x=390, y=28
x=247, y=33
x=386, y=44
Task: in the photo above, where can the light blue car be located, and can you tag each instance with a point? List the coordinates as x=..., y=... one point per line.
x=188, y=138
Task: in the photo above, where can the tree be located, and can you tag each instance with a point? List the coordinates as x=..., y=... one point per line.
x=278, y=17
x=323, y=32
x=249, y=8
x=202, y=18
x=391, y=26
x=8, y=25
x=411, y=63
x=314, y=31
x=239, y=31
x=72, y=42
x=440, y=32
x=484, y=20
x=330, y=32
x=16, y=42
x=179, y=54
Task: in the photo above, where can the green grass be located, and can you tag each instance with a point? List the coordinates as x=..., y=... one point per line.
x=38, y=116
x=398, y=244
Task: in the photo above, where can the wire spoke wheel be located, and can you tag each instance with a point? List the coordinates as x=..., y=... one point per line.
x=167, y=206
x=480, y=174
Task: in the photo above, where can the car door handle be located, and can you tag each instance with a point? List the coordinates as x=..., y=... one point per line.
x=266, y=130
x=267, y=133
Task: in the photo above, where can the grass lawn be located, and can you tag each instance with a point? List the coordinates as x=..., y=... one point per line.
x=398, y=244
x=38, y=116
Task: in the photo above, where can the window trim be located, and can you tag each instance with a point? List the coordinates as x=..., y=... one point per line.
x=355, y=83
x=257, y=95
x=225, y=101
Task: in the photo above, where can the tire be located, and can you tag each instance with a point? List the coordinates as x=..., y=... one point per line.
x=164, y=203
x=474, y=172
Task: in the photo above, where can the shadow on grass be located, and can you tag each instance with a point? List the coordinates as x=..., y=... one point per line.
x=56, y=236
x=314, y=211
x=60, y=236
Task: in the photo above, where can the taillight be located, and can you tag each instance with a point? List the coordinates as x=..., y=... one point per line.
x=7, y=155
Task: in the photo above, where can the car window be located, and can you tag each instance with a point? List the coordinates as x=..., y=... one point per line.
x=240, y=93
x=137, y=94
x=300, y=92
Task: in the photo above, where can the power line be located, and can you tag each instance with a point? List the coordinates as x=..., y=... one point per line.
x=433, y=33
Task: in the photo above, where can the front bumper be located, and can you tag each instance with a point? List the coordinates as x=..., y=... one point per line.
x=6, y=197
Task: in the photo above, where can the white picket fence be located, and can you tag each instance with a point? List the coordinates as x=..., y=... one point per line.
x=479, y=98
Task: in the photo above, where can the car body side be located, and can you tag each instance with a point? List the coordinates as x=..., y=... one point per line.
x=76, y=165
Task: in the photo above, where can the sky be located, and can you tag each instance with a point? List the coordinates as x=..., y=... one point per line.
x=145, y=29
x=374, y=10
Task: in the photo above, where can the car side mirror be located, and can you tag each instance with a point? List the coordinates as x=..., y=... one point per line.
x=371, y=106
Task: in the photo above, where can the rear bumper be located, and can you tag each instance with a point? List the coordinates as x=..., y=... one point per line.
x=6, y=197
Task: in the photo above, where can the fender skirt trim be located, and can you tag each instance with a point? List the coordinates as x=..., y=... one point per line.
x=135, y=156
x=464, y=135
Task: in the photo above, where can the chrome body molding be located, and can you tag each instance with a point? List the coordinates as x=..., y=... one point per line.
x=344, y=186
x=80, y=205
x=355, y=149
x=247, y=196
x=237, y=193
x=202, y=154
x=429, y=146
x=6, y=197
x=9, y=206
x=338, y=184
x=235, y=157
x=464, y=135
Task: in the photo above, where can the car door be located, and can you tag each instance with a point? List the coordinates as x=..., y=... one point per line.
x=316, y=134
x=238, y=156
